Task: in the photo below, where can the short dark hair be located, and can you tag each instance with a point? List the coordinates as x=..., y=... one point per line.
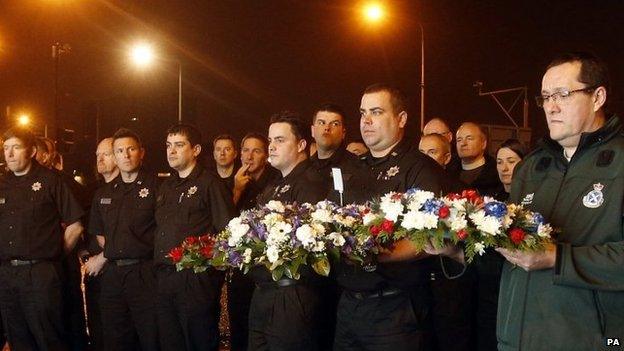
x=294, y=120
x=514, y=145
x=23, y=134
x=397, y=97
x=224, y=137
x=127, y=133
x=594, y=72
x=329, y=107
x=258, y=136
x=192, y=134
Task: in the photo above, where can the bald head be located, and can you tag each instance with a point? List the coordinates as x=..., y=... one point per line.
x=438, y=126
x=471, y=142
x=437, y=147
x=105, y=160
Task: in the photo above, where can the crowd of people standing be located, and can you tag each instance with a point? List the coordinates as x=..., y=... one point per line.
x=122, y=229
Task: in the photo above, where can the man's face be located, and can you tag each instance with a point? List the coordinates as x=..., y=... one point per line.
x=567, y=120
x=471, y=143
x=284, y=148
x=380, y=125
x=105, y=157
x=180, y=153
x=18, y=158
x=253, y=153
x=128, y=154
x=434, y=148
x=328, y=130
x=224, y=152
x=437, y=127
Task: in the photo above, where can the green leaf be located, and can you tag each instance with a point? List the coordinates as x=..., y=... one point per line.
x=277, y=273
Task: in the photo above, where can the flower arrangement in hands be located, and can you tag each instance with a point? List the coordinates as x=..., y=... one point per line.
x=195, y=253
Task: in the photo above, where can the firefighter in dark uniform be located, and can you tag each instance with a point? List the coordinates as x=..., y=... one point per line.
x=385, y=304
x=95, y=261
x=287, y=314
x=35, y=205
x=192, y=201
x=122, y=216
x=249, y=181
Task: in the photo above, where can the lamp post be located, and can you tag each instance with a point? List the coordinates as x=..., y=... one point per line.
x=143, y=55
x=373, y=13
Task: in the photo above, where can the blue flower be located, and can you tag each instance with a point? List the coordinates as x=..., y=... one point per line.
x=495, y=208
x=432, y=205
x=538, y=218
x=412, y=191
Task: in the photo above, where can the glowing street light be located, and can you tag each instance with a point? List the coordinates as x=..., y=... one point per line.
x=23, y=120
x=143, y=55
x=374, y=13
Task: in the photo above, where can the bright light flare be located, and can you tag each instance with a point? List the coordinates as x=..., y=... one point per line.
x=23, y=119
x=373, y=12
x=142, y=55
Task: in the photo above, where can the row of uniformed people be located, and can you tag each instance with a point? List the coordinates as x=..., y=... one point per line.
x=146, y=302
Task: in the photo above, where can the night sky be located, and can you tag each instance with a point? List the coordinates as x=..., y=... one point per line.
x=244, y=60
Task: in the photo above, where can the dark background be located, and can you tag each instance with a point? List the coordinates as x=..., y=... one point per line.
x=244, y=60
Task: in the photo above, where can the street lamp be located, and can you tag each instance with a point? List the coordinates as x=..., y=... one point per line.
x=143, y=55
x=23, y=120
x=374, y=13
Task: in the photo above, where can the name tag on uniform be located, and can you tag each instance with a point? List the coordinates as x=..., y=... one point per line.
x=105, y=201
x=2, y=201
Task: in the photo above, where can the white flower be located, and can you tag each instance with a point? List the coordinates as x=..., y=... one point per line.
x=278, y=233
x=272, y=253
x=391, y=208
x=368, y=218
x=319, y=246
x=479, y=248
x=418, y=198
x=337, y=239
x=419, y=220
x=490, y=225
x=272, y=218
x=237, y=231
x=36, y=186
x=459, y=223
x=544, y=230
x=276, y=206
x=247, y=255
x=305, y=234
x=322, y=215
x=347, y=221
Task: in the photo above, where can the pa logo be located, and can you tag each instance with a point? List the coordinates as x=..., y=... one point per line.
x=612, y=341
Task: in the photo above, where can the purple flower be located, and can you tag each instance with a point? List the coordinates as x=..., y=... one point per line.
x=538, y=218
x=235, y=258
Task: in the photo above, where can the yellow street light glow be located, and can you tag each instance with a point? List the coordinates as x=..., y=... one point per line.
x=23, y=119
x=142, y=55
x=373, y=12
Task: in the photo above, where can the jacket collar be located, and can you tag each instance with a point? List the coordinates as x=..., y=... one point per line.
x=397, y=151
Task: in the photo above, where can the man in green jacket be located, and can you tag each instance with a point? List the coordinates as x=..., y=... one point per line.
x=570, y=296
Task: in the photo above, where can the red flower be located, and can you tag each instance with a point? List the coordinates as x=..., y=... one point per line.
x=206, y=251
x=375, y=229
x=176, y=254
x=444, y=212
x=471, y=195
x=462, y=234
x=453, y=196
x=387, y=226
x=517, y=235
x=191, y=240
x=397, y=196
x=206, y=239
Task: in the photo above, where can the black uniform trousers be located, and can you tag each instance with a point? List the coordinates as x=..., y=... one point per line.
x=31, y=305
x=379, y=322
x=188, y=309
x=285, y=318
x=488, y=275
x=128, y=302
x=239, y=292
x=93, y=288
x=453, y=306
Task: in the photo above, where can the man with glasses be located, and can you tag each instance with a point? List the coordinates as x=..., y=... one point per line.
x=571, y=295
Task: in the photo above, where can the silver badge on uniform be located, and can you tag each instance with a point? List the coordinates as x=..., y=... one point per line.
x=105, y=201
x=528, y=199
x=594, y=198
